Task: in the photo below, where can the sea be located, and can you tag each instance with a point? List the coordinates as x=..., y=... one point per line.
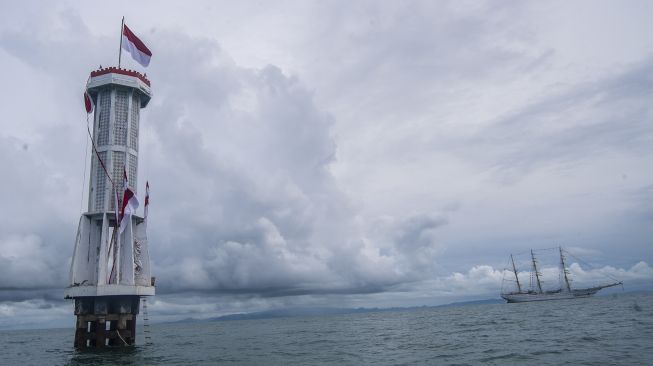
x=604, y=330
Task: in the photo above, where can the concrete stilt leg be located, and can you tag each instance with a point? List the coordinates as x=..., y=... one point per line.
x=96, y=314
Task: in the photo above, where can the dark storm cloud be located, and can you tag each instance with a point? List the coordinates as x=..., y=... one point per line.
x=16, y=294
x=416, y=232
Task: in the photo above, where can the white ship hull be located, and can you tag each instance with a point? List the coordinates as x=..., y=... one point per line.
x=534, y=296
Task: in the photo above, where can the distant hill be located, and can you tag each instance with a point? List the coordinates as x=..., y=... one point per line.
x=322, y=311
x=325, y=311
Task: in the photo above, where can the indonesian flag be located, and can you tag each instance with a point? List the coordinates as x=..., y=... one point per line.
x=88, y=103
x=129, y=203
x=135, y=46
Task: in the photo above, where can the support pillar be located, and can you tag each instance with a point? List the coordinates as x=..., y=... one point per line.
x=106, y=321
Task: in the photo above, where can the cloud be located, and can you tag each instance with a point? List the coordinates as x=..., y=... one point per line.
x=485, y=280
x=35, y=225
x=255, y=156
x=243, y=199
x=640, y=273
x=33, y=314
x=25, y=263
x=585, y=121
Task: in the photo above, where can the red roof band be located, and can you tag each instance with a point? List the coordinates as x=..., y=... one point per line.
x=116, y=70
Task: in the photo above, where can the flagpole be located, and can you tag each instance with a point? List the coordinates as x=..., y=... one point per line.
x=122, y=27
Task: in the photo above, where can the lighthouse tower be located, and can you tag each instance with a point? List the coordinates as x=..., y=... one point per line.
x=110, y=269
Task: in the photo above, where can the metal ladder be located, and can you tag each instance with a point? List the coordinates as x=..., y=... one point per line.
x=146, y=322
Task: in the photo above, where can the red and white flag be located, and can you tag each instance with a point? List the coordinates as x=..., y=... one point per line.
x=88, y=103
x=135, y=46
x=129, y=203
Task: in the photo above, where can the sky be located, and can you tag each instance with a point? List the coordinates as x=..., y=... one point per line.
x=335, y=153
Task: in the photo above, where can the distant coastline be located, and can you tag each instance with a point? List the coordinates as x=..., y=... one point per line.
x=326, y=311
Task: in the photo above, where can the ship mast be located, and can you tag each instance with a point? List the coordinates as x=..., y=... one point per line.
x=514, y=269
x=537, y=274
x=564, y=269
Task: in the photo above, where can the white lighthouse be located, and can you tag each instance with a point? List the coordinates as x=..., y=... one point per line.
x=110, y=269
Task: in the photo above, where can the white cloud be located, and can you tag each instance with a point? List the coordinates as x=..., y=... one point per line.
x=641, y=272
x=485, y=280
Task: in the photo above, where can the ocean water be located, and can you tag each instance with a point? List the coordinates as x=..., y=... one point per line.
x=609, y=330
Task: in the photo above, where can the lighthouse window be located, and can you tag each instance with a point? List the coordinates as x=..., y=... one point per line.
x=120, y=129
x=103, y=122
x=100, y=181
x=133, y=132
x=133, y=164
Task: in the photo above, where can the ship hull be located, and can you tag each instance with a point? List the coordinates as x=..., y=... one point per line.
x=529, y=297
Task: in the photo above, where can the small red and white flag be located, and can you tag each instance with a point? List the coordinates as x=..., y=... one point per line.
x=135, y=46
x=129, y=203
x=88, y=103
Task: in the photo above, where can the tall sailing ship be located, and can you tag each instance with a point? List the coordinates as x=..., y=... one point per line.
x=536, y=293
